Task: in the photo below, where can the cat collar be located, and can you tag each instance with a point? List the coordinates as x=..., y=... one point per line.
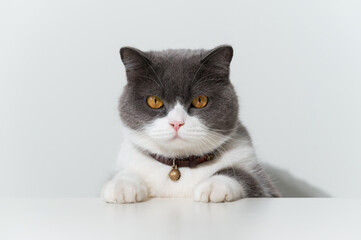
x=176, y=163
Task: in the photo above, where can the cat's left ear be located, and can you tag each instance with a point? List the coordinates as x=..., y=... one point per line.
x=219, y=57
x=133, y=58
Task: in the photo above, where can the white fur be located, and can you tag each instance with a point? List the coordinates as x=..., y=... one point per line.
x=140, y=176
x=218, y=188
x=124, y=189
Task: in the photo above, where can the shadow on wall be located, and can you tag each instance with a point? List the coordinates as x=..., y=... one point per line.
x=290, y=186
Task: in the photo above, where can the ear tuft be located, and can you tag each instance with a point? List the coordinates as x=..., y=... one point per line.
x=133, y=58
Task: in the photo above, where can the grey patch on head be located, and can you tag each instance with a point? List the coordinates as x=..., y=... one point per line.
x=179, y=75
x=252, y=186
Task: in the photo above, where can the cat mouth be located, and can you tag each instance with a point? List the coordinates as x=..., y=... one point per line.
x=177, y=137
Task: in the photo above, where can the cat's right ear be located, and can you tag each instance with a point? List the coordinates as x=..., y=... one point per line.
x=219, y=58
x=133, y=58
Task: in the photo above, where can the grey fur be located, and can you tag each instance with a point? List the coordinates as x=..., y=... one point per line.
x=179, y=75
x=249, y=183
x=254, y=187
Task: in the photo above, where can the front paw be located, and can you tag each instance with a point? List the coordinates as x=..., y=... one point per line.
x=124, y=191
x=218, y=188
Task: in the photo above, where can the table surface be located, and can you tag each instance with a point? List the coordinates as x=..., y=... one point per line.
x=89, y=218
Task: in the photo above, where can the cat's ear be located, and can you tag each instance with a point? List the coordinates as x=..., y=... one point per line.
x=219, y=57
x=133, y=58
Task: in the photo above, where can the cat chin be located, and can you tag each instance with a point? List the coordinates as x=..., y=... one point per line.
x=173, y=147
x=182, y=147
x=179, y=150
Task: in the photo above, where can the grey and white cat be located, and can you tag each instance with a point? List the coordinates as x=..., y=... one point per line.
x=179, y=105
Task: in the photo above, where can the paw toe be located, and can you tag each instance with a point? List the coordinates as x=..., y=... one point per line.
x=123, y=192
x=218, y=189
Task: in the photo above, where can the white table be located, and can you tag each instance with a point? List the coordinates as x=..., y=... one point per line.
x=181, y=219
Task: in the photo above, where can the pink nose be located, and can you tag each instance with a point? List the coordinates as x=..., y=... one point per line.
x=176, y=124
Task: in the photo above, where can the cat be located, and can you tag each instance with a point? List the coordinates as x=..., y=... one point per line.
x=183, y=137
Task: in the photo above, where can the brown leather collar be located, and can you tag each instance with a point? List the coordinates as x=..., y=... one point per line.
x=190, y=162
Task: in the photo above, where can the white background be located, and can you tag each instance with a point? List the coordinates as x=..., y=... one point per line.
x=296, y=69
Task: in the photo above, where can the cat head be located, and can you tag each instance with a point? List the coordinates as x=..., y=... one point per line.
x=178, y=102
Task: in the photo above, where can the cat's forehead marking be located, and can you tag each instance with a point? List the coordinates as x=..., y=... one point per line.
x=176, y=70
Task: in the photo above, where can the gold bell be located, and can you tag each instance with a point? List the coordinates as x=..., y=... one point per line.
x=174, y=174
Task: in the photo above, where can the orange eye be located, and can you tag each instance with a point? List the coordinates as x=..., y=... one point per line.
x=154, y=102
x=200, y=101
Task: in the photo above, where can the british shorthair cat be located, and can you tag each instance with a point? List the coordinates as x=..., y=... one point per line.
x=183, y=135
